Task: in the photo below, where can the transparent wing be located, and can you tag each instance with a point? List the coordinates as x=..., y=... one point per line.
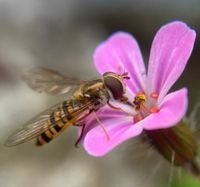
x=32, y=128
x=49, y=81
x=40, y=124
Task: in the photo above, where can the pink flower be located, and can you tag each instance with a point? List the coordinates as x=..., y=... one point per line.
x=171, y=48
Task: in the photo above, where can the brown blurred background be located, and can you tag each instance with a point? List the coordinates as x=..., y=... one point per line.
x=62, y=35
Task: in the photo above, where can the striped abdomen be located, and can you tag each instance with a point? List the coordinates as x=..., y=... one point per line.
x=61, y=118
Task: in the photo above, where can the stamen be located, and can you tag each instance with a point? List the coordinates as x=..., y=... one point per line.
x=137, y=118
x=145, y=108
x=154, y=95
x=139, y=101
x=154, y=109
x=102, y=126
x=141, y=94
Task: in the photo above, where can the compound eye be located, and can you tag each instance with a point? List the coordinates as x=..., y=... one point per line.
x=115, y=85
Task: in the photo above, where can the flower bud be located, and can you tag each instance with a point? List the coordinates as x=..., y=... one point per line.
x=177, y=144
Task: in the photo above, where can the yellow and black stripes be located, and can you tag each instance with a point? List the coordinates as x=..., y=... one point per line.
x=67, y=109
x=60, y=119
x=70, y=112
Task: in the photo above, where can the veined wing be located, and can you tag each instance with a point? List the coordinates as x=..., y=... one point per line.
x=42, y=123
x=49, y=81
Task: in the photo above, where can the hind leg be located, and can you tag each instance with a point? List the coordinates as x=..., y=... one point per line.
x=81, y=135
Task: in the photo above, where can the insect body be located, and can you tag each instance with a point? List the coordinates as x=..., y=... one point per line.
x=67, y=114
x=88, y=97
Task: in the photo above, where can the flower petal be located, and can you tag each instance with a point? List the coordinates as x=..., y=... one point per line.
x=103, y=113
x=119, y=129
x=172, y=110
x=170, y=51
x=120, y=53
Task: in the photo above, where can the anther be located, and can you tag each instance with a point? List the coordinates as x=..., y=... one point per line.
x=154, y=95
x=154, y=109
x=139, y=101
x=137, y=118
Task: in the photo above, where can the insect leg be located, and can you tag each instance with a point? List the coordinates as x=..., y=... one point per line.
x=118, y=108
x=101, y=125
x=78, y=125
x=112, y=106
x=81, y=135
x=83, y=128
x=125, y=100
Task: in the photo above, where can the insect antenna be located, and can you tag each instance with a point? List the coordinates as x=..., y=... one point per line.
x=123, y=75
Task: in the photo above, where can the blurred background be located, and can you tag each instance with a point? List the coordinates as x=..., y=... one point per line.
x=62, y=35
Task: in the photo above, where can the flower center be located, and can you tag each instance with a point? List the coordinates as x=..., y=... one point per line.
x=144, y=105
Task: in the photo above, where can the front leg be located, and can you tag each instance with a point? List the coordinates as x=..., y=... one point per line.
x=125, y=100
x=112, y=106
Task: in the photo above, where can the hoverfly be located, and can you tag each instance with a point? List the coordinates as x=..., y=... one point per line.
x=87, y=97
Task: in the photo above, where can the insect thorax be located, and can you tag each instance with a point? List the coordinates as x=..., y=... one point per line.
x=94, y=91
